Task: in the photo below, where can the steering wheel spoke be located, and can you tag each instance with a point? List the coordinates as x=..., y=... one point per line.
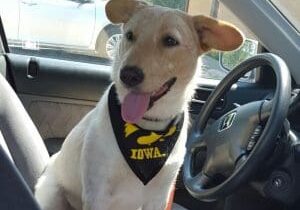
x=200, y=144
x=265, y=110
x=195, y=141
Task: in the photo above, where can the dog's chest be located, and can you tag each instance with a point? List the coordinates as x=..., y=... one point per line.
x=108, y=174
x=120, y=188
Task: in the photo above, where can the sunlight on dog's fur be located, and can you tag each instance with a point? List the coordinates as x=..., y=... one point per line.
x=149, y=27
x=154, y=74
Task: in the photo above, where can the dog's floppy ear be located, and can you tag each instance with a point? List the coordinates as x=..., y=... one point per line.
x=215, y=34
x=120, y=11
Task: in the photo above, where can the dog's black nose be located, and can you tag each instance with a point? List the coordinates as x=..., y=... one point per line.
x=131, y=76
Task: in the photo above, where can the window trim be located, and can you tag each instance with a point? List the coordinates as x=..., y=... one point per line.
x=4, y=43
x=187, y=6
x=285, y=16
x=1, y=48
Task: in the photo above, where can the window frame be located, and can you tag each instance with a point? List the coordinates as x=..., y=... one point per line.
x=3, y=39
x=187, y=6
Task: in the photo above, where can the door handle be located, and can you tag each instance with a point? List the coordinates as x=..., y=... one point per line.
x=33, y=68
x=29, y=3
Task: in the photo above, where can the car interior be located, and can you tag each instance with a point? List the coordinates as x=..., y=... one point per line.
x=44, y=95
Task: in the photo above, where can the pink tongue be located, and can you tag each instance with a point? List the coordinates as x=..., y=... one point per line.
x=134, y=106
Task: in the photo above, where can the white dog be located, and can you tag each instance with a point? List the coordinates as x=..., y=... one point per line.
x=126, y=153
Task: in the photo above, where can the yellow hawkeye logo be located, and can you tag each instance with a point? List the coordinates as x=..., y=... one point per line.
x=153, y=137
x=149, y=139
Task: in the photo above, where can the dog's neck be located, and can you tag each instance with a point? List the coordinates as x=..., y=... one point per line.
x=159, y=120
x=156, y=125
x=161, y=115
x=179, y=106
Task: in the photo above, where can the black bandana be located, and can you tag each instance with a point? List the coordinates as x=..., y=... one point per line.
x=145, y=151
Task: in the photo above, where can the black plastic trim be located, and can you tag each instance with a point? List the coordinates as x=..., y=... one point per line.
x=3, y=37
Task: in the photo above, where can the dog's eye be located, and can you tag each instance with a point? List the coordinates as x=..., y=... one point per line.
x=129, y=36
x=170, y=41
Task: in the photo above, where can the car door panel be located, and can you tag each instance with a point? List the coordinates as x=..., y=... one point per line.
x=59, y=78
x=55, y=117
x=59, y=95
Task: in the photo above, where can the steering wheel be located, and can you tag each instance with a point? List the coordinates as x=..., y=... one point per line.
x=238, y=142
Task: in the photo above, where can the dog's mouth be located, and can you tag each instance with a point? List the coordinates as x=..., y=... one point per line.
x=163, y=90
x=135, y=104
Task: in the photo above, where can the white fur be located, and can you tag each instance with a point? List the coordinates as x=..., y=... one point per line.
x=90, y=172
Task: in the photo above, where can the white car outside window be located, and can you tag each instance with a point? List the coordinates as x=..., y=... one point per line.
x=76, y=25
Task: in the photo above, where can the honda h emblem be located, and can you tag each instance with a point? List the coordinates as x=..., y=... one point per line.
x=227, y=121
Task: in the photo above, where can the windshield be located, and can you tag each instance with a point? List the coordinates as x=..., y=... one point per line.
x=290, y=9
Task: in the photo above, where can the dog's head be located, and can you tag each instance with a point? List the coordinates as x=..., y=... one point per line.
x=157, y=56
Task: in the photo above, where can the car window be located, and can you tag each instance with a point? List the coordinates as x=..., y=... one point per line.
x=79, y=30
x=65, y=29
x=215, y=64
x=290, y=9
